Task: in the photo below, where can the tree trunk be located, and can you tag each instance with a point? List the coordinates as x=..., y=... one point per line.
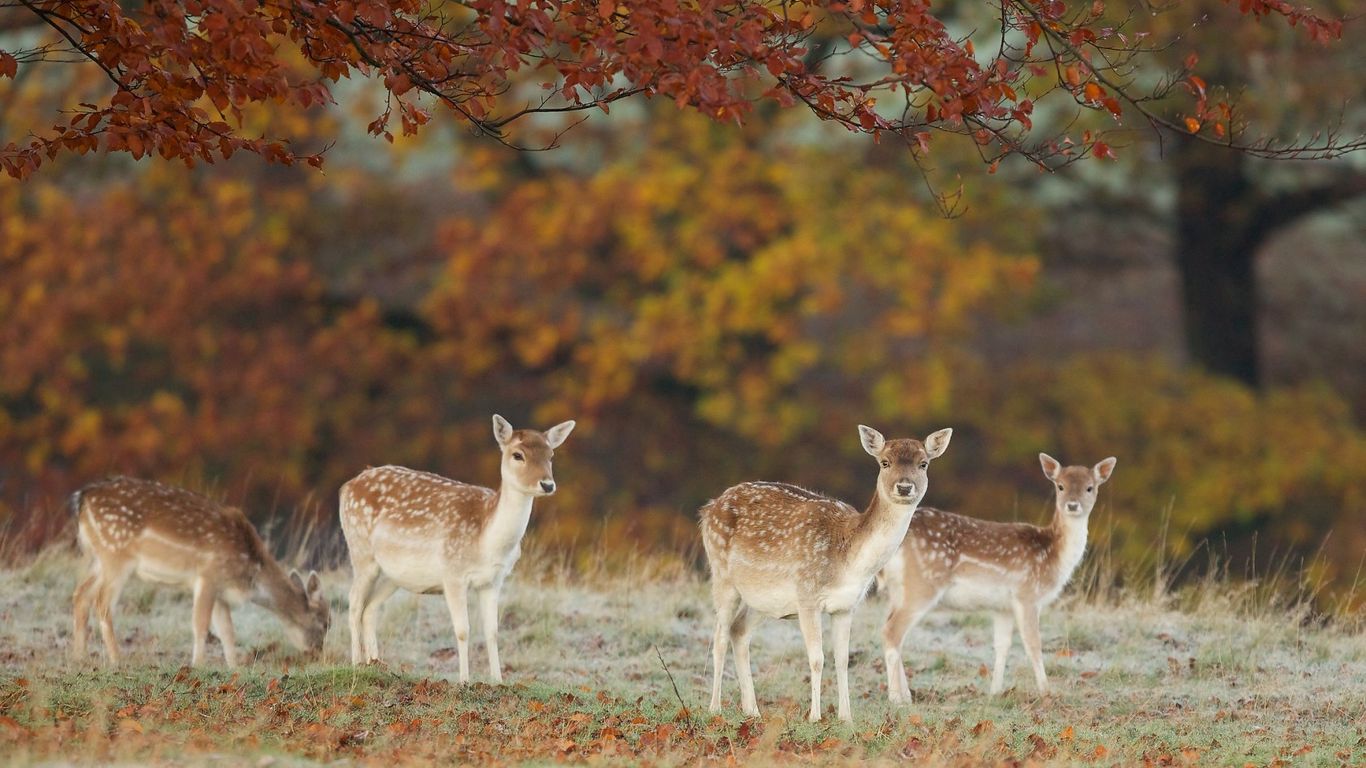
x=1216, y=210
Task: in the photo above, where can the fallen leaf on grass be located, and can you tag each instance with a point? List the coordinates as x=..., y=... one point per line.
x=10, y=728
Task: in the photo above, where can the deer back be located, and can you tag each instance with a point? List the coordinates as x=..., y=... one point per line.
x=762, y=530
x=171, y=534
x=981, y=562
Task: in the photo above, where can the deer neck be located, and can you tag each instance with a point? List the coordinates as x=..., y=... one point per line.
x=508, y=521
x=274, y=591
x=1069, y=541
x=878, y=534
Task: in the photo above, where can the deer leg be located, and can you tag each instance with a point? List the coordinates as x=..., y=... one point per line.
x=727, y=602
x=80, y=612
x=840, y=624
x=809, y=618
x=1002, y=625
x=488, y=617
x=741, y=630
x=383, y=590
x=1027, y=617
x=899, y=622
x=363, y=577
x=201, y=614
x=457, y=602
x=906, y=611
x=110, y=587
x=222, y=627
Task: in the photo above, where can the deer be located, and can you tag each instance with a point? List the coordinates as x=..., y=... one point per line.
x=1012, y=570
x=413, y=530
x=783, y=551
x=169, y=535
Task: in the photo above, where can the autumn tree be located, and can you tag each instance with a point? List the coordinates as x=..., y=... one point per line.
x=1229, y=204
x=189, y=340
x=712, y=304
x=180, y=72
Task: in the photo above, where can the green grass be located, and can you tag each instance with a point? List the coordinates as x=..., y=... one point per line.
x=1211, y=678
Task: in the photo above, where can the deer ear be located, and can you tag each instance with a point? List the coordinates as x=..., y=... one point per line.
x=938, y=442
x=1102, y=470
x=872, y=440
x=1051, y=466
x=502, y=430
x=314, y=587
x=556, y=434
x=296, y=579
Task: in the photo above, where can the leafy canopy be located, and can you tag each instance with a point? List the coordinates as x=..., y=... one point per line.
x=183, y=71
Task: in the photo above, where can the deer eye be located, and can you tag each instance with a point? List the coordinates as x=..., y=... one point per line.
x=1060, y=486
x=1090, y=488
x=885, y=464
x=924, y=465
x=517, y=456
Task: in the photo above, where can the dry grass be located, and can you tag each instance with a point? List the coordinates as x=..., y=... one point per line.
x=1214, y=674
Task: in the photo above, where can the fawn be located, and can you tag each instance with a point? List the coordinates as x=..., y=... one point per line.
x=1010, y=569
x=431, y=535
x=170, y=535
x=784, y=551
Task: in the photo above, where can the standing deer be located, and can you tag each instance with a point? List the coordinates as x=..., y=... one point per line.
x=430, y=535
x=784, y=551
x=1010, y=569
x=173, y=536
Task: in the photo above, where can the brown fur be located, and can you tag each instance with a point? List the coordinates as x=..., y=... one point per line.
x=172, y=535
x=428, y=534
x=783, y=551
x=1007, y=568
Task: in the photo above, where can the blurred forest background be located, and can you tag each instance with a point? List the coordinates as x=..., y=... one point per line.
x=712, y=303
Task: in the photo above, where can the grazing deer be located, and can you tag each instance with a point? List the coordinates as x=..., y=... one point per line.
x=431, y=535
x=783, y=551
x=170, y=535
x=1010, y=569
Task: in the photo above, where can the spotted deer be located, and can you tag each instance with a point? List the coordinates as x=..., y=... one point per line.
x=1012, y=570
x=170, y=535
x=427, y=534
x=785, y=552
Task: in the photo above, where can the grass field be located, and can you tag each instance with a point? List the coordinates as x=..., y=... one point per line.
x=1212, y=676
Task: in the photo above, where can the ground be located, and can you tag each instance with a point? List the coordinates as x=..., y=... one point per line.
x=592, y=660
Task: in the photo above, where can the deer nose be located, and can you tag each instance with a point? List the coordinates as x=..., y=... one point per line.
x=1074, y=506
x=548, y=486
x=905, y=489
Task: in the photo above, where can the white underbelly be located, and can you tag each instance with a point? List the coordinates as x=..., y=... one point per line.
x=977, y=596
x=778, y=600
x=164, y=573
x=416, y=566
x=768, y=590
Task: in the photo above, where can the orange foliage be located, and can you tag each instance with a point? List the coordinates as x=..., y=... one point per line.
x=711, y=305
x=173, y=331
x=180, y=74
